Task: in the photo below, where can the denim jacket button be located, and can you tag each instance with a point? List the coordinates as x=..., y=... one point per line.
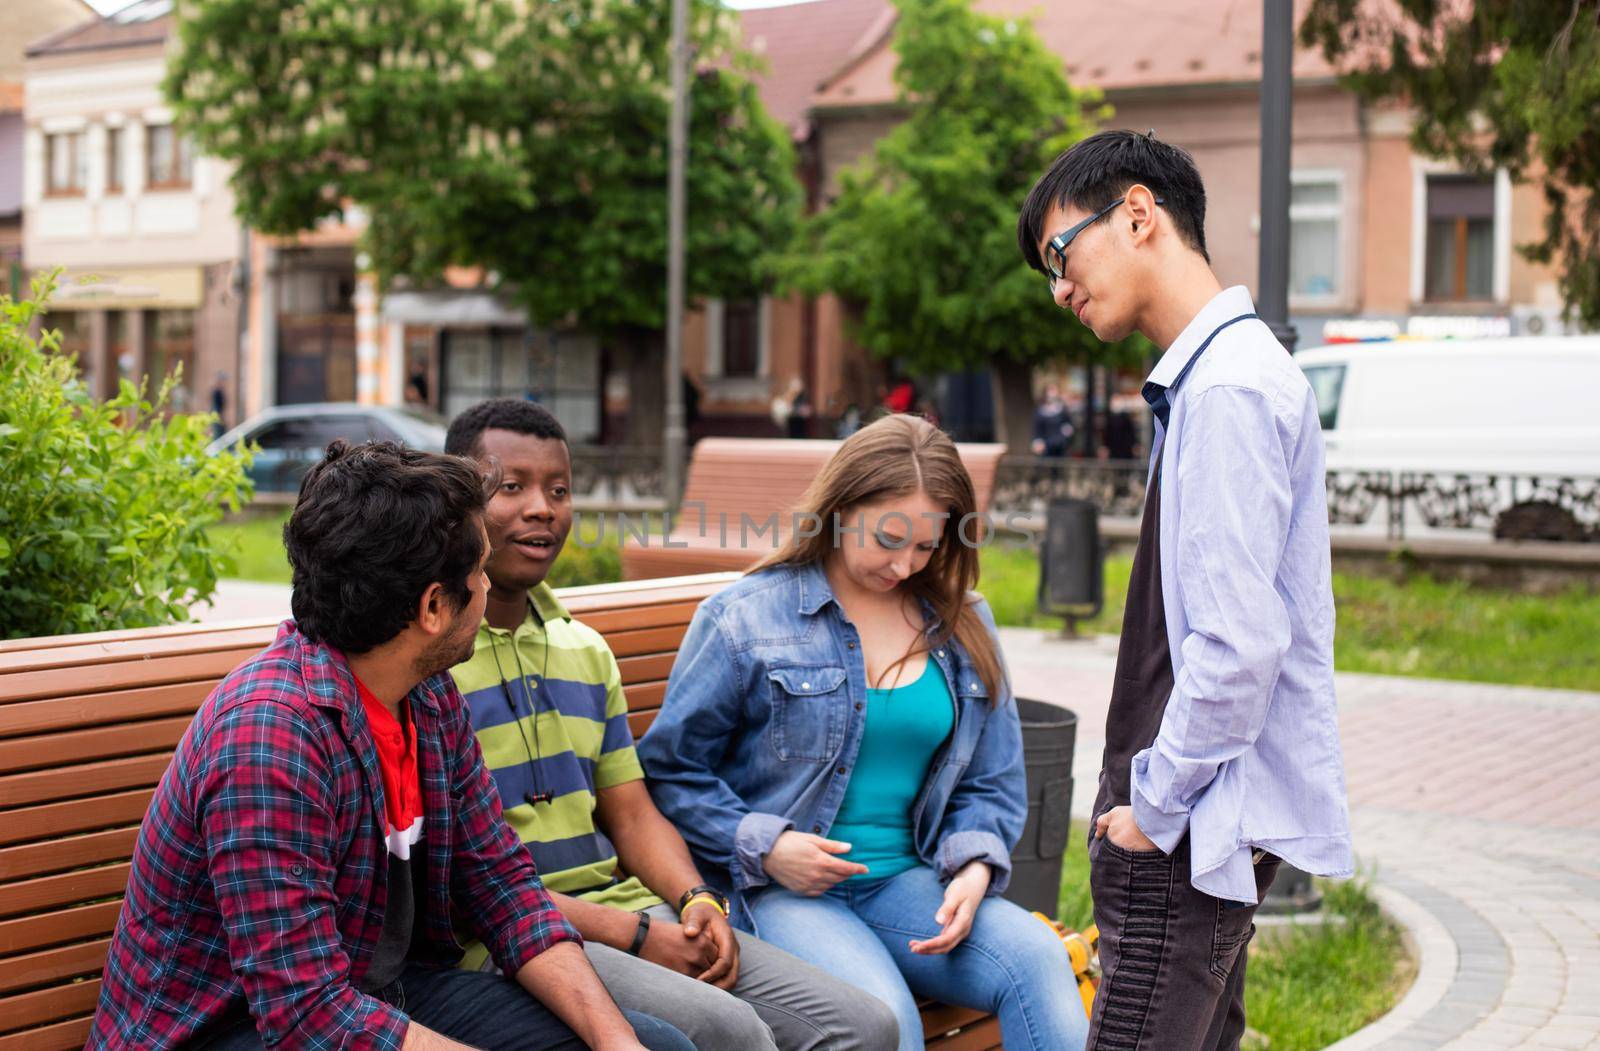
x=817, y=829
x=840, y=771
x=805, y=686
x=938, y=653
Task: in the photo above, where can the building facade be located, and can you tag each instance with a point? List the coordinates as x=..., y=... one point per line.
x=141, y=229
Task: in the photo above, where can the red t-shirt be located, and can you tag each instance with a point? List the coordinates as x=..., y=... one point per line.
x=397, y=760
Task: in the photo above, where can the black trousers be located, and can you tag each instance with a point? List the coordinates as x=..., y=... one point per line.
x=1172, y=958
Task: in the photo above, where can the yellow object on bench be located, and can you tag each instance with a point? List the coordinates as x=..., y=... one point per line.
x=1084, y=951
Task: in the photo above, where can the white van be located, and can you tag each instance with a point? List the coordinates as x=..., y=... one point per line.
x=1522, y=405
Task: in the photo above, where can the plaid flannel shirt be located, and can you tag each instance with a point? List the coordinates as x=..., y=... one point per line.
x=260, y=871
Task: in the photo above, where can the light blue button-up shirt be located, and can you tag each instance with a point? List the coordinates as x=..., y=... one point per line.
x=1248, y=751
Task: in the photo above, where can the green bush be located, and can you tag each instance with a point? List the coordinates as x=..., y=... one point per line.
x=103, y=506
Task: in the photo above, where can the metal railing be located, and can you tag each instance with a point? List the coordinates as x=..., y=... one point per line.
x=620, y=476
x=1511, y=506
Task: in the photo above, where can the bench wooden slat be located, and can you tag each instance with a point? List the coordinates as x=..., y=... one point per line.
x=30, y=1010
x=63, y=1036
x=646, y=640
x=45, y=786
x=59, y=855
x=67, y=888
x=645, y=695
x=76, y=815
x=938, y=1019
x=91, y=709
x=58, y=928
x=35, y=685
x=981, y=1036
x=120, y=651
x=52, y=965
x=105, y=742
x=639, y=722
x=608, y=621
x=647, y=668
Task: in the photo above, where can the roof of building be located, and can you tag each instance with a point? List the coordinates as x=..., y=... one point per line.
x=1119, y=45
x=140, y=23
x=802, y=44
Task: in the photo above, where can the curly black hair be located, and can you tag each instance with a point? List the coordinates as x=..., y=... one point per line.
x=375, y=525
x=517, y=415
x=1101, y=168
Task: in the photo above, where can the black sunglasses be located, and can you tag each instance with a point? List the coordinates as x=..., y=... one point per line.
x=1055, y=256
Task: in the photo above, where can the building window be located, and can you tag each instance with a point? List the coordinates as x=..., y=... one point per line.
x=115, y=158
x=1314, y=229
x=1460, y=233
x=170, y=160
x=741, y=339
x=65, y=165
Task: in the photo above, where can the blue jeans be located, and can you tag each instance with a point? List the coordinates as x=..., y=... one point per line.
x=1010, y=964
x=480, y=1010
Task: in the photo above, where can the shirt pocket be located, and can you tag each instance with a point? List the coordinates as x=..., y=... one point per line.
x=809, y=708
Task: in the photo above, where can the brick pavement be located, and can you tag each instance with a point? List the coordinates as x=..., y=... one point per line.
x=1475, y=808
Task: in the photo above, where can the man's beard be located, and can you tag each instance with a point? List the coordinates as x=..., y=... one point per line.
x=448, y=651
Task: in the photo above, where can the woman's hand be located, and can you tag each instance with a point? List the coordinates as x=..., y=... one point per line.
x=961, y=900
x=806, y=864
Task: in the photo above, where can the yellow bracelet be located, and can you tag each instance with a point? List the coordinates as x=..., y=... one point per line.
x=713, y=902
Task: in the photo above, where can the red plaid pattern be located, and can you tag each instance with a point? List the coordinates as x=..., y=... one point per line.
x=257, y=875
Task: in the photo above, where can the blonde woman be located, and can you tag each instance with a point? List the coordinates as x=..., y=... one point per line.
x=839, y=745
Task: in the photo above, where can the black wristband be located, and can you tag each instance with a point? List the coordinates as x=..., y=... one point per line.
x=640, y=934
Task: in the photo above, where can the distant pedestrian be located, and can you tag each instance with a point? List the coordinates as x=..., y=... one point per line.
x=1052, y=424
x=1121, y=434
x=219, y=405
x=900, y=395
x=1222, y=734
x=792, y=410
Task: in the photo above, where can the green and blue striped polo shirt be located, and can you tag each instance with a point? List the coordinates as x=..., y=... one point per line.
x=547, y=704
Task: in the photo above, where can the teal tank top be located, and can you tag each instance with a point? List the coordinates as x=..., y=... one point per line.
x=905, y=727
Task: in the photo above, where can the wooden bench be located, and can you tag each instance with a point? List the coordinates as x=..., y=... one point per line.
x=88, y=724
x=736, y=486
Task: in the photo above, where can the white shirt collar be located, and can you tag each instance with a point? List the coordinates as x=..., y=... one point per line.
x=1224, y=306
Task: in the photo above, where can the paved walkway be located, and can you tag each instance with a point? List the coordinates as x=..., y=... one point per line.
x=1476, y=809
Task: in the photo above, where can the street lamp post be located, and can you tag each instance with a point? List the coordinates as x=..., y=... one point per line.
x=1293, y=890
x=1277, y=106
x=674, y=438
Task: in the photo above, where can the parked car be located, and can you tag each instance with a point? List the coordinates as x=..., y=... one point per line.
x=293, y=437
x=1512, y=406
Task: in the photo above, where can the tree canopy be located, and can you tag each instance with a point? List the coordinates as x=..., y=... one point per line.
x=921, y=239
x=528, y=137
x=1511, y=84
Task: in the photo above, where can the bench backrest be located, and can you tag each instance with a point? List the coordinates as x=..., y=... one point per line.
x=761, y=477
x=88, y=724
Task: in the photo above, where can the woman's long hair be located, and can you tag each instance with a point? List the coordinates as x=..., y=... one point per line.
x=898, y=456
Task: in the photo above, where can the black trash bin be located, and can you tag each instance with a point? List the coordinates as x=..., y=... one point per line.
x=1049, y=733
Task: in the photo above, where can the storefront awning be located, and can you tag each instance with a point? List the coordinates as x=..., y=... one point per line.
x=127, y=288
x=449, y=308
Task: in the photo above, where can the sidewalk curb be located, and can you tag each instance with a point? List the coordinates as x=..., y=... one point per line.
x=1429, y=942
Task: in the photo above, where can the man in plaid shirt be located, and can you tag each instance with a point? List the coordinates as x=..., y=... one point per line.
x=294, y=878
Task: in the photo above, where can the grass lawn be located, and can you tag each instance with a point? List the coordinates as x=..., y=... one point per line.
x=1310, y=986
x=1421, y=627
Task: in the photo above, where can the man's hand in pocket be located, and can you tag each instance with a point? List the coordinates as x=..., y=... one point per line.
x=1118, y=825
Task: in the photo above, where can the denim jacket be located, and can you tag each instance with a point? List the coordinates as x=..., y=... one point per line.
x=762, y=723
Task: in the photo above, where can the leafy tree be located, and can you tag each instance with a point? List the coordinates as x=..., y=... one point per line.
x=103, y=505
x=921, y=239
x=1513, y=84
x=529, y=138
